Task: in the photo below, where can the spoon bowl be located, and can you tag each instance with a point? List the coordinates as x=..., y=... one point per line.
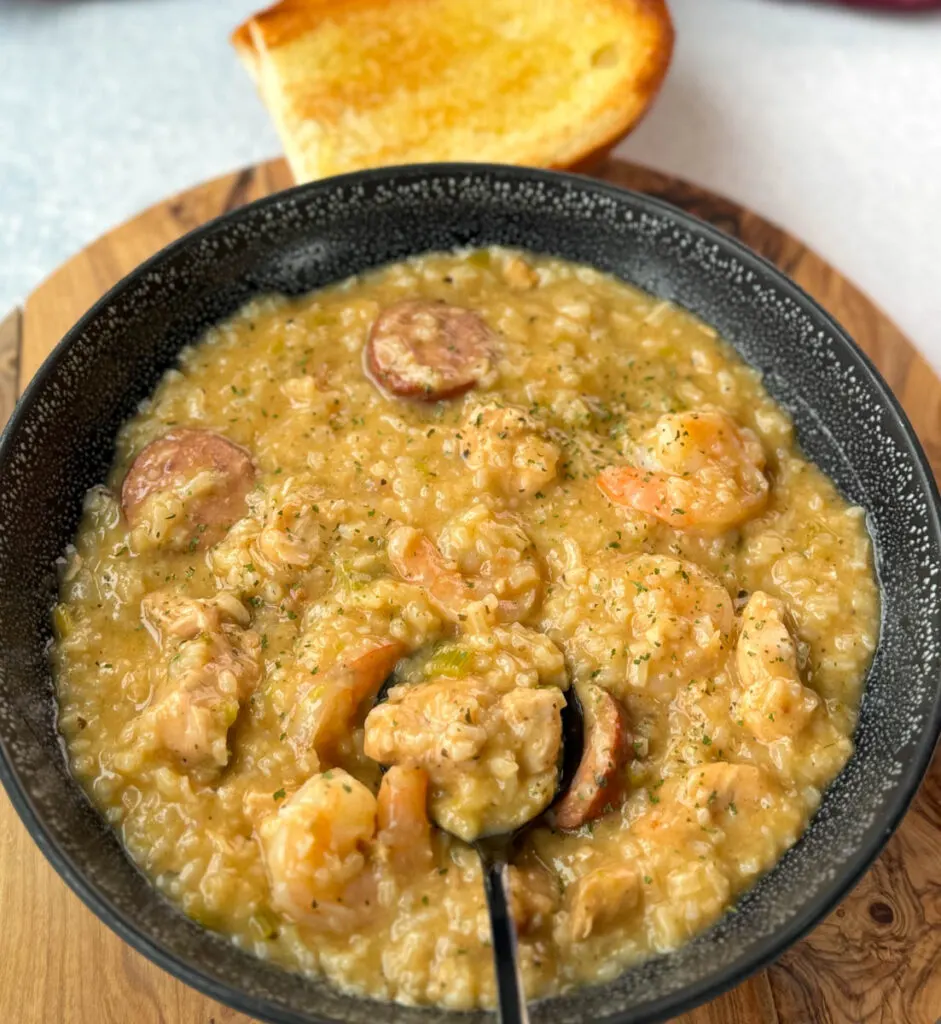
x=495, y=850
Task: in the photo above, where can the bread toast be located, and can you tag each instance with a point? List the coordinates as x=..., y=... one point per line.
x=364, y=83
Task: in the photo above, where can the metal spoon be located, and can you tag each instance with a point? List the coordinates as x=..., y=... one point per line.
x=494, y=851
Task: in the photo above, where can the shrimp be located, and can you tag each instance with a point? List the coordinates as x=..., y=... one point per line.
x=716, y=803
x=315, y=849
x=695, y=471
x=640, y=623
x=486, y=561
x=291, y=537
x=680, y=620
x=284, y=535
x=506, y=449
x=325, y=708
x=776, y=704
x=404, y=836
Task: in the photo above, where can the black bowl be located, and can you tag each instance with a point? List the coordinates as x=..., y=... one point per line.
x=61, y=437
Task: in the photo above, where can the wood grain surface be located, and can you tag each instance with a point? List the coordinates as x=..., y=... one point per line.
x=875, y=960
x=10, y=337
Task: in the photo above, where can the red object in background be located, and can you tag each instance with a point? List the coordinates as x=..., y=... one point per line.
x=894, y=5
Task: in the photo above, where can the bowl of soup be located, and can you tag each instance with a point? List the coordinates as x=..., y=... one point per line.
x=479, y=438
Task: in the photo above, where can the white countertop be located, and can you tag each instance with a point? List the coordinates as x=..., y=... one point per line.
x=823, y=119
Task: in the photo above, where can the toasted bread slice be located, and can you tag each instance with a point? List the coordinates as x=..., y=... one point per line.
x=365, y=83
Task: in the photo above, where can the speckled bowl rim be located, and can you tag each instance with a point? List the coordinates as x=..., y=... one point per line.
x=765, y=950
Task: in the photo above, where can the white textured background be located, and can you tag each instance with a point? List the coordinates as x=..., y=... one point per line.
x=826, y=120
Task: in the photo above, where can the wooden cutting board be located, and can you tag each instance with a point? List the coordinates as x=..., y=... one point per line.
x=875, y=960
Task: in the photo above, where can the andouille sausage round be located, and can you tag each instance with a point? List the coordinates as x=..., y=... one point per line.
x=428, y=350
x=177, y=458
x=597, y=785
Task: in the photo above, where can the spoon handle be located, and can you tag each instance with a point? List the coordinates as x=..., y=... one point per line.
x=511, y=1000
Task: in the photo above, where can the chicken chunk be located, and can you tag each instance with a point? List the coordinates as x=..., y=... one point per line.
x=491, y=757
x=170, y=616
x=602, y=897
x=199, y=699
x=722, y=786
x=213, y=664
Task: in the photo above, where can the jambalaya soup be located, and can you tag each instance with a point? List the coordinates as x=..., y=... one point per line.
x=496, y=476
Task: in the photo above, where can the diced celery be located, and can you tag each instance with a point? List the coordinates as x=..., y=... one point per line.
x=449, y=661
x=228, y=711
x=479, y=258
x=63, y=620
x=350, y=578
x=264, y=924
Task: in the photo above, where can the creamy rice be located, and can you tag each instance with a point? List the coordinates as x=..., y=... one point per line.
x=214, y=668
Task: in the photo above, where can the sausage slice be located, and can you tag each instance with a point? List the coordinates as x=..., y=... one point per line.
x=428, y=350
x=597, y=782
x=176, y=459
